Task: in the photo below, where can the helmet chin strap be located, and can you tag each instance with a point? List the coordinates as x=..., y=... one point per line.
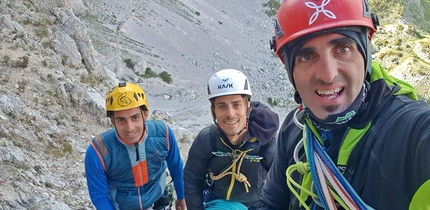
x=244, y=127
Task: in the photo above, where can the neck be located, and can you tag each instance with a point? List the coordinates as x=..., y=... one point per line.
x=236, y=139
x=336, y=120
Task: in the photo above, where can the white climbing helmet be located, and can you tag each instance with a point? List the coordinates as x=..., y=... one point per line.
x=228, y=82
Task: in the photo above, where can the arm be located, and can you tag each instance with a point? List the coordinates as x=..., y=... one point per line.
x=421, y=171
x=175, y=165
x=269, y=154
x=275, y=194
x=97, y=181
x=196, y=167
x=420, y=199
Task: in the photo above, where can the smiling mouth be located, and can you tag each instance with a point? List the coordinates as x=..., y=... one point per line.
x=130, y=134
x=329, y=94
x=230, y=123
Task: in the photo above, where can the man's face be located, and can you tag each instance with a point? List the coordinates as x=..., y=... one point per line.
x=129, y=124
x=329, y=73
x=230, y=112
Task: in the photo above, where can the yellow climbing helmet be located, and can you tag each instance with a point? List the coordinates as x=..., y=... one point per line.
x=125, y=96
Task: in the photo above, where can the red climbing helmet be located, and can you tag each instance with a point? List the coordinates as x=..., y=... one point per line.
x=297, y=18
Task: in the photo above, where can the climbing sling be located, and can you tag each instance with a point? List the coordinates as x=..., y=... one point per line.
x=237, y=158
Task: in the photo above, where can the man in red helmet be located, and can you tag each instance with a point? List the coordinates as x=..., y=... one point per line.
x=359, y=138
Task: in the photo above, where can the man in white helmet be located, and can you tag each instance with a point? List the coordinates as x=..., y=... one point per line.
x=229, y=160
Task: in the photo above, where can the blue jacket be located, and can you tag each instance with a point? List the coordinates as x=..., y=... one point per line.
x=122, y=176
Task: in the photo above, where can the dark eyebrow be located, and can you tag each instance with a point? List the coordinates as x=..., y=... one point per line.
x=304, y=51
x=119, y=118
x=136, y=115
x=342, y=40
x=233, y=102
x=122, y=118
x=337, y=41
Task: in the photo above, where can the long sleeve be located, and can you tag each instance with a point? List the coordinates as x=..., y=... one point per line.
x=275, y=194
x=97, y=181
x=175, y=165
x=196, y=168
x=269, y=154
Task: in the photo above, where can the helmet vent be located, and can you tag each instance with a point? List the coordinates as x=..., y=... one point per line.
x=246, y=85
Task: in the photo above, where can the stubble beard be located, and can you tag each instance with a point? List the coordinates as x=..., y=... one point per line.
x=331, y=108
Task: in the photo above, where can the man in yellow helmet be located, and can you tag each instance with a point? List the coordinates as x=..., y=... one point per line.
x=126, y=166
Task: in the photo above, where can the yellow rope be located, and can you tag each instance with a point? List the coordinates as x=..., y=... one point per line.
x=238, y=176
x=300, y=167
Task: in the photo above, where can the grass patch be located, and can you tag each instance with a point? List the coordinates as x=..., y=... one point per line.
x=22, y=62
x=41, y=32
x=92, y=80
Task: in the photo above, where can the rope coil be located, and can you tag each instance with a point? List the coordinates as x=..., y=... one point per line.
x=330, y=186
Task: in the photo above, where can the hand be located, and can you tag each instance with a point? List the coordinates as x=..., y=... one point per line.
x=180, y=204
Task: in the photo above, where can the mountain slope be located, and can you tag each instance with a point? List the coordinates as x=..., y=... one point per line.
x=58, y=59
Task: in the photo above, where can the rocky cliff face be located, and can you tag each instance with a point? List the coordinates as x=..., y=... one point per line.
x=58, y=58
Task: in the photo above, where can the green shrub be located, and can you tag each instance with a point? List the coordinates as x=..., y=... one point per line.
x=272, y=6
x=129, y=63
x=165, y=77
x=272, y=102
x=27, y=4
x=149, y=73
x=37, y=168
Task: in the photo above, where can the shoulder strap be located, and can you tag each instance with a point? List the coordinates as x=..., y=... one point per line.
x=213, y=136
x=100, y=148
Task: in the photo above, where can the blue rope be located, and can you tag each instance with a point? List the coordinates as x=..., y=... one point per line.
x=312, y=166
x=312, y=143
x=329, y=163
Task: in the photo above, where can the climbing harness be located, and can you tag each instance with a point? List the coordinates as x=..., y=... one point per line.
x=329, y=188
